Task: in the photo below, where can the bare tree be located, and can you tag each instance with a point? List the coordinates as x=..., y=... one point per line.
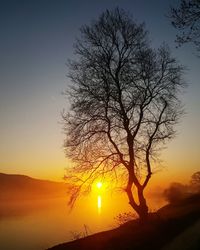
x=186, y=18
x=124, y=105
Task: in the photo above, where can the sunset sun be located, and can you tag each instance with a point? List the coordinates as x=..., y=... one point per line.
x=99, y=185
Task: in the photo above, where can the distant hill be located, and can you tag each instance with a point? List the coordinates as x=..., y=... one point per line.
x=17, y=187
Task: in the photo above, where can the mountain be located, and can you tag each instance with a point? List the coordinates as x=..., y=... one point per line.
x=17, y=187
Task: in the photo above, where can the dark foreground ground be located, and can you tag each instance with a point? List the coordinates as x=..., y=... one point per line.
x=173, y=227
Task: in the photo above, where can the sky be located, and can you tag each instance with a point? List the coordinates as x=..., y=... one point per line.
x=36, y=42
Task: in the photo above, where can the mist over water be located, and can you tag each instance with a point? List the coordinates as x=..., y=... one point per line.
x=39, y=224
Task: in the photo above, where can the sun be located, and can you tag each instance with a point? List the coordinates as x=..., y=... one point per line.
x=99, y=185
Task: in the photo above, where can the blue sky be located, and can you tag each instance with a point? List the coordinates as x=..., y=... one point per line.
x=36, y=41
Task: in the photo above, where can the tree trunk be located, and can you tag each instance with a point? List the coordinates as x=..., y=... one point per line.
x=141, y=208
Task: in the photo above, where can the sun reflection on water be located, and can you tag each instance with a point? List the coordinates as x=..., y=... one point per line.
x=99, y=203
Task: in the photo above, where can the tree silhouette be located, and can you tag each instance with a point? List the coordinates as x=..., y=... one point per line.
x=186, y=18
x=176, y=192
x=195, y=181
x=124, y=105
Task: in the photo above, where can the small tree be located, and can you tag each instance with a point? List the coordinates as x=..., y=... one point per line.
x=195, y=181
x=124, y=105
x=186, y=18
x=176, y=192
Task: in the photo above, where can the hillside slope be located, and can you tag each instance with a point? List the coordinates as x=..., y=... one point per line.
x=162, y=227
x=17, y=187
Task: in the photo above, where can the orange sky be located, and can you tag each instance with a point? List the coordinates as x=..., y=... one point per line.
x=33, y=76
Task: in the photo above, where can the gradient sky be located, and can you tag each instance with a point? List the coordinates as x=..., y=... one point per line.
x=36, y=41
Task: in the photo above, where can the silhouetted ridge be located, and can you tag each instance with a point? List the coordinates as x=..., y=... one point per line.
x=15, y=187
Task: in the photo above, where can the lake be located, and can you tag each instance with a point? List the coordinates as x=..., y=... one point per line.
x=37, y=225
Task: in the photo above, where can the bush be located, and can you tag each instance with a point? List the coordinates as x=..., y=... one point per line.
x=125, y=217
x=176, y=192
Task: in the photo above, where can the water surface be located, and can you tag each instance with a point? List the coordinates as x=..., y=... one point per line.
x=37, y=225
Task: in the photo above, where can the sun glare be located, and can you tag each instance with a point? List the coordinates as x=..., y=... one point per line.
x=99, y=185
